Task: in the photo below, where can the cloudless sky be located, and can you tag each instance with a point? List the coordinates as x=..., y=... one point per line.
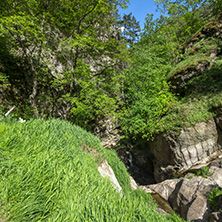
x=139, y=9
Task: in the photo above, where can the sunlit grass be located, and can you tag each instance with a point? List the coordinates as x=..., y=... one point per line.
x=46, y=176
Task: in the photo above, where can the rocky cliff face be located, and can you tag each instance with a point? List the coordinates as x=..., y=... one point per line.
x=174, y=154
x=200, y=54
x=199, y=145
x=197, y=76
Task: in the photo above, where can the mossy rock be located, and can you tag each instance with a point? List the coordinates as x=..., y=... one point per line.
x=211, y=29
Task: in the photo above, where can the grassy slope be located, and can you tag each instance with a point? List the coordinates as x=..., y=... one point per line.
x=45, y=176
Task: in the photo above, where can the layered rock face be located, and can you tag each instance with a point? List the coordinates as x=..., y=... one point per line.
x=172, y=154
x=178, y=153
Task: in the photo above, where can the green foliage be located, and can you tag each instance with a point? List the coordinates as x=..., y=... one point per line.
x=130, y=28
x=209, y=83
x=181, y=19
x=216, y=5
x=158, y=53
x=187, y=65
x=147, y=93
x=65, y=59
x=202, y=97
x=199, y=53
x=203, y=172
x=179, y=114
x=150, y=106
x=68, y=57
x=213, y=198
x=46, y=176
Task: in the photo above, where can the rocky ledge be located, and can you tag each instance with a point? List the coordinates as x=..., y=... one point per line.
x=175, y=154
x=188, y=196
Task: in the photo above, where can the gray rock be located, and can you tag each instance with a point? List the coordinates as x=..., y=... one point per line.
x=165, y=188
x=188, y=197
x=216, y=176
x=194, y=145
x=191, y=199
x=181, y=76
x=198, y=208
x=106, y=171
x=133, y=183
x=161, y=211
x=106, y=130
x=217, y=163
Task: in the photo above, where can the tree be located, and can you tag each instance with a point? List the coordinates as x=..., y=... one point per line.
x=217, y=6
x=147, y=93
x=70, y=52
x=130, y=28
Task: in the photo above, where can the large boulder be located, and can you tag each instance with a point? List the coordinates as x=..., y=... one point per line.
x=188, y=196
x=106, y=171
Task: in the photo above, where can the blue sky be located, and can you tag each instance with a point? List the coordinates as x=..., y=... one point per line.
x=140, y=8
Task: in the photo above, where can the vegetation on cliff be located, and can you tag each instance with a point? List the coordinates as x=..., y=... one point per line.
x=69, y=60
x=174, y=80
x=61, y=58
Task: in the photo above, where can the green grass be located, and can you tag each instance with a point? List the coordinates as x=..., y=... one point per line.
x=203, y=172
x=46, y=176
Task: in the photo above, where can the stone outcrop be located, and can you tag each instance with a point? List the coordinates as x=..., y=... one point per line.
x=106, y=171
x=216, y=217
x=211, y=29
x=171, y=154
x=181, y=76
x=106, y=130
x=133, y=183
x=218, y=121
x=188, y=195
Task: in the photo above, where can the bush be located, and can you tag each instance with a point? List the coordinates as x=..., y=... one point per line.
x=213, y=198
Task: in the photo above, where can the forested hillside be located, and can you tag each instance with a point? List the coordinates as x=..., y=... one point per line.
x=80, y=61
x=61, y=58
x=153, y=104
